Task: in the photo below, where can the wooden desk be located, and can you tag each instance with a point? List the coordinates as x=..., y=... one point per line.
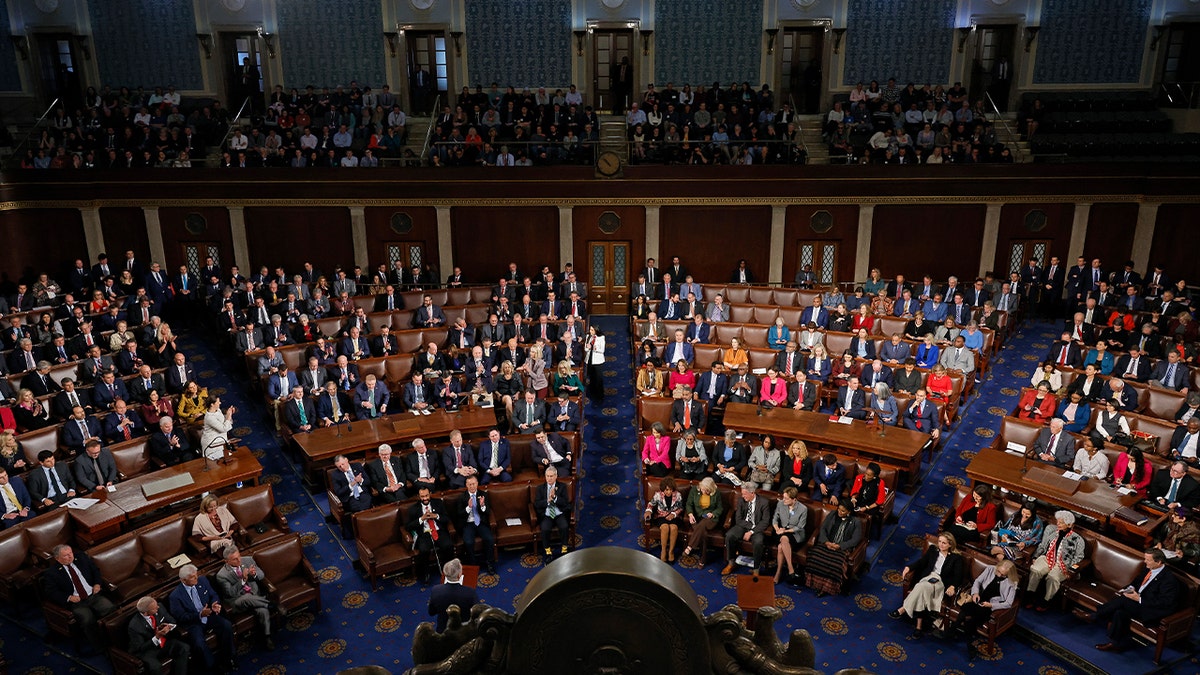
x=901, y=447
x=105, y=519
x=754, y=594
x=1094, y=498
x=319, y=447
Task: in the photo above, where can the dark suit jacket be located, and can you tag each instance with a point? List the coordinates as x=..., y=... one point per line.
x=560, y=445
x=378, y=478
x=57, y=582
x=1141, y=373
x=341, y=488
x=738, y=460
x=61, y=405
x=441, y=597
x=858, y=400
x=523, y=413
x=697, y=415
x=1064, y=453
x=1160, y=598
x=160, y=447
x=504, y=455
x=561, y=499
x=762, y=515
x=175, y=382
x=85, y=473
x=182, y=607
x=38, y=385
x=834, y=480
x=417, y=528
x=1181, y=378
x=809, y=396
x=954, y=570
x=412, y=466
x=102, y=396
x=381, y=303
x=449, y=464
x=141, y=635
x=574, y=415
x=927, y=418
x=291, y=414
x=139, y=391
x=1074, y=354
x=1187, y=495
x=703, y=382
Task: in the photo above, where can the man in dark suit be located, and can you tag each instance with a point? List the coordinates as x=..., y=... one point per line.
x=750, y=523
x=170, y=445
x=153, y=638
x=79, y=279
x=1078, y=283
x=424, y=468
x=390, y=301
x=430, y=528
x=428, y=315
x=921, y=415
x=344, y=374
x=108, y=390
x=1065, y=353
x=1051, y=287
x=529, y=413
x=95, y=469
x=386, y=473
x=418, y=394
x=1151, y=597
x=461, y=334
x=458, y=461
x=299, y=413
x=73, y=582
x=452, y=592
x=16, y=499
x=552, y=508
x=1172, y=487
x=1185, y=442
x=144, y=383
x=790, y=360
x=698, y=331
x=687, y=414
x=565, y=415
x=197, y=607
x=1054, y=445
x=350, y=485
x=1171, y=373
x=712, y=387
x=802, y=394
x=472, y=522
x=552, y=450
x=495, y=459
x=1133, y=366
x=179, y=373
x=743, y=385
x=39, y=381
x=68, y=399
x=851, y=401
x=49, y=484
x=332, y=405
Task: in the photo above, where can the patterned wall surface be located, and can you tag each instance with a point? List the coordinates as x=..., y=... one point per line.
x=705, y=40
x=331, y=42
x=146, y=43
x=526, y=43
x=911, y=40
x=10, y=79
x=1091, y=41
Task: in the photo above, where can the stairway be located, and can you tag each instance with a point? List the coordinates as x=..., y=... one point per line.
x=810, y=134
x=1013, y=140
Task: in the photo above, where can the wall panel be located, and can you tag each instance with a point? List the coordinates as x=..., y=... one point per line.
x=215, y=230
x=289, y=236
x=40, y=240
x=146, y=43
x=1110, y=234
x=523, y=44
x=910, y=40
x=730, y=46
x=1013, y=228
x=710, y=239
x=125, y=230
x=380, y=233
x=939, y=240
x=487, y=239
x=799, y=228
x=1091, y=41
x=1174, y=245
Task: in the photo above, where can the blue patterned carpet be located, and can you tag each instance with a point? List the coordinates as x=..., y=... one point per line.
x=359, y=627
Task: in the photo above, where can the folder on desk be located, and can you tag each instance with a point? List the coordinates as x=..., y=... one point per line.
x=1132, y=515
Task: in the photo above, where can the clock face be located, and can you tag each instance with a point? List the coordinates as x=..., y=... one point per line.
x=608, y=163
x=47, y=6
x=421, y=4
x=612, y=4
x=234, y=5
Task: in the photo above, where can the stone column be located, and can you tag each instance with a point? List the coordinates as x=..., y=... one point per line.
x=566, y=239
x=778, y=224
x=862, y=253
x=237, y=228
x=991, y=230
x=445, y=241
x=1143, y=236
x=358, y=233
x=1079, y=226
x=651, y=235
x=158, y=253
x=93, y=234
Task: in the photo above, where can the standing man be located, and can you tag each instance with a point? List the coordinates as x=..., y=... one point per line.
x=451, y=592
x=474, y=524
x=428, y=524
x=621, y=86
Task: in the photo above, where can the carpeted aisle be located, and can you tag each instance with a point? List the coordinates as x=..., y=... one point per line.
x=358, y=626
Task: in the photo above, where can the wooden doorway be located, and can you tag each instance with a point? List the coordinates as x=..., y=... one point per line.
x=608, y=276
x=57, y=73
x=992, y=65
x=800, y=53
x=195, y=253
x=235, y=49
x=823, y=256
x=1022, y=250
x=609, y=46
x=428, y=69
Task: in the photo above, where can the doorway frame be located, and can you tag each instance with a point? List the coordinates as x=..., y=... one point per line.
x=617, y=305
x=220, y=73
x=399, y=59
x=85, y=67
x=827, y=55
x=636, y=58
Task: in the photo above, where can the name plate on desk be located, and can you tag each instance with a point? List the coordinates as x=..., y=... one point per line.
x=1051, y=480
x=167, y=484
x=406, y=425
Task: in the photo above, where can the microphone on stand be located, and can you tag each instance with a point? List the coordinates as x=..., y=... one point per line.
x=204, y=452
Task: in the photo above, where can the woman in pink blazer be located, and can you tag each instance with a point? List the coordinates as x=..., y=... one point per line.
x=774, y=388
x=656, y=452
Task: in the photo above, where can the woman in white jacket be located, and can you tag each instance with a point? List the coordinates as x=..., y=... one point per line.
x=217, y=425
x=594, y=357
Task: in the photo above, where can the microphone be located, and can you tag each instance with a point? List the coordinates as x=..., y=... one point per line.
x=204, y=452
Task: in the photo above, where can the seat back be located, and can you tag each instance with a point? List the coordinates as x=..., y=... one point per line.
x=510, y=500
x=761, y=296
x=761, y=358
x=34, y=442
x=765, y=314
x=837, y=343
x=1162, y=403
x=706, y=355
x=886, y=325
x=791, y=316
x=754, y=335
x=280, y=559
x=784, y=297
x=380, y=526
x=398, y=368
x=132, y=458
x=50, y=530
x=167, y=539
x=1018, y=431
x=1116, y=566
x=409, y=341
x=251, y=505
x=520, y=451
x=653, y=409
x=741, y=313
x=117, y=560
x=739, y=294
x=14, y=550
x=374, y=366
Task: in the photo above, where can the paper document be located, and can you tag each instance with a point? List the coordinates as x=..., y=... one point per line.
x=81, y=503
x=512, y=522
x=845, y=420
x=1072, y=475
x=1016, y=448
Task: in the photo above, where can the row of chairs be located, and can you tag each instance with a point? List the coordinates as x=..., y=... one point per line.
x=1083, y=101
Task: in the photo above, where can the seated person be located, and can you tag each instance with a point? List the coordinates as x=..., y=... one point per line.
x=1133, y=471
x=418, y=394
x=1037, y=404
x=1054, y=445
x=1185, y=442
x=122, y=424
x=851, y=401
x=1172, y=487
x=170, y=445
x=299, y=413
x=1075, y=413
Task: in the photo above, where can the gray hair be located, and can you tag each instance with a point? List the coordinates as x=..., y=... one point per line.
x=228, y=551
x=453, y=570
x=730, y=435
x=1065, y=517
x=187, y=571
x=750, y=485
x=883, y=391
x=143, y=603
x=164, y=421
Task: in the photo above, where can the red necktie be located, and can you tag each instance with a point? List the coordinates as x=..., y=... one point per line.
x=80, y=589
x=1062, y=357
x=125, y=429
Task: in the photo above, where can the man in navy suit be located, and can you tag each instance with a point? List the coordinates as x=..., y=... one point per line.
x=344, y=374
x=371, y=398
x=1171, y=373
x=428, y=315
x=299, y=413
x=1152, y=596
x=815, y=314
x=960, y=311
x=698, y=331
x=197, y=608
x=458, y=461
x=564, y=415
x=108, y=390
x=829, y=478
x=1133, y=366
x=179, y=373
x=17, y=501
x=678, y=350
x=851, y=401
x=713, y=385
x=452, y=592
x=876, y=373
x=921, y=415
x=430, y=528
x=1065, y=353
x=78, y=429
x=418, y=394
x=354, y=346
x=350, y=485
x=73, y=582
x=495, y=459
x=122, y=424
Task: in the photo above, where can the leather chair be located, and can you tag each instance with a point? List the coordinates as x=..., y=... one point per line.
x=512, y=502
x=398, y=370
x=458, y=297
x=477, y=314
x=762, y=295
x=886, y=325
x=754, y=336
x=712, y=291
x=453, y=313
x=706, y=355
x=765, y=314
x=409, y=341
x=651, y=533
x=737, y=294
x=17, y=570
x=740, y=313
x=372, y=366
x=435, y=335
x=132, y=457
x=804, y=297
x=402, y=319
x=837, y=343
x=330, y=325
x=292, y=582
x=521, y=455
x=366, y=302
x=1162, y=403
x=337, y=512
x=785, y=297
x=1000, y=620
x=293, y=356
x=47, y=531
x=761, y=358
x=255, y=510
x=164, y=540
x=384, y=544
x=572, y=496
x=653, y=409
x=125, y=575
x=34, y=442
x=791, y=317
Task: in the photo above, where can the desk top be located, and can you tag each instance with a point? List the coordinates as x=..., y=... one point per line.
x=325, y=444
x=899, y=443
x=1094, y=497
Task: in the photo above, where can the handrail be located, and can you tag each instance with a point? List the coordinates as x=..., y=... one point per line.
x=1185, y=91
x=233, y=122
x=437, y=105
x=1016, y=149
x=799, y=131
x=21, y=146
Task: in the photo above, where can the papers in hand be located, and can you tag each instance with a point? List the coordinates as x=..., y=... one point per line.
x=81, y=503
x=1015, y=448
